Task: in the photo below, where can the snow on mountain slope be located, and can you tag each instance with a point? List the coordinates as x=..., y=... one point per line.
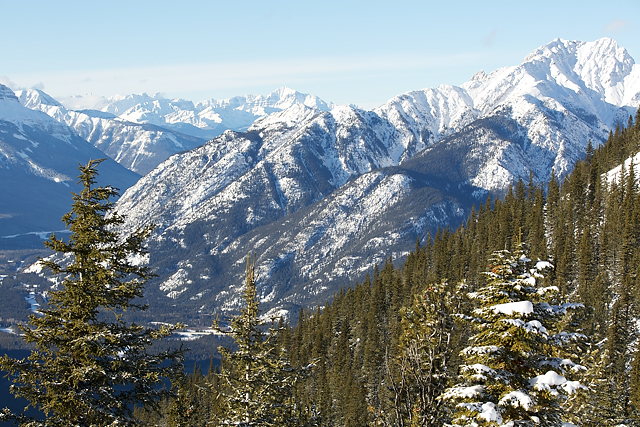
x=205, y=119
x=138, y=147
x=562, y=95
x=303, y=255
x=321, y=194
x=296, y=185
x=141, y=131
x=295, y=157
x=617, y=174
x=344, y=235
x=39, y=160
x=12, y=111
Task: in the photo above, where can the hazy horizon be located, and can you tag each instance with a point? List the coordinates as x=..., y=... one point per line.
x=356, y=52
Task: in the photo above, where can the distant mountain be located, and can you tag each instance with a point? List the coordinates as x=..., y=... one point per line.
x=141, y=131
x=39, y=160
x=206, y=119
x=323, y=195
x=138, y=147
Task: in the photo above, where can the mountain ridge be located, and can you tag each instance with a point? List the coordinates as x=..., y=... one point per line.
x=322, y=193
x=141, y=131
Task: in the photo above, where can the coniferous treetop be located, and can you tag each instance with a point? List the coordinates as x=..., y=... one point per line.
x=90, y=365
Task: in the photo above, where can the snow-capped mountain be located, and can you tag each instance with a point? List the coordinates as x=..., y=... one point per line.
x=322, y=195
x=289, y=160
x=544, y=110
x=141, y=131
x=39, y=160
x=138, y=147
x=207, y=119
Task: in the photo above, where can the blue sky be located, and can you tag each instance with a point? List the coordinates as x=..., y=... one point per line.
x=360, y=52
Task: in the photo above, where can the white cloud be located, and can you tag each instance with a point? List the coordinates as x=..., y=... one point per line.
x=7, y=82
x=617, y=25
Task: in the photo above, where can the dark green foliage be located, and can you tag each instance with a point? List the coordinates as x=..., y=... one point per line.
x=428, y=347
x=189, y=407
x=612, y=376
x=89, y=365
x=195, y=403
x=256, y=382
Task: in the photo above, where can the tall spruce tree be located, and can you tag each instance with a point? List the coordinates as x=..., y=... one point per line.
x=188, y=409
x=89, y=365
x=513, y=372
x=256, y=380
x=609, y=399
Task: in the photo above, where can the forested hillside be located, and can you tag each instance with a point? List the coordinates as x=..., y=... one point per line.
x=368, y=366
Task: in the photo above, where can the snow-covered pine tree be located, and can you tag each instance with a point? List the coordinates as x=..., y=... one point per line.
x=257, y=380
x=514, y=372
x=89, y=366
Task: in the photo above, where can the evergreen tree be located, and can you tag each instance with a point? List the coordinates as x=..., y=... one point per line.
x=257, y=379
x=420, y=373
x=610, y=398
x=188, y=407
x=90, y=366
x=511, y=375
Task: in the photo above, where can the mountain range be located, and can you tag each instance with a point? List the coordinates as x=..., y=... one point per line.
x=322, y=193
x=39, y=171
x=141, y=131
x=39, y=159
x=321, y=196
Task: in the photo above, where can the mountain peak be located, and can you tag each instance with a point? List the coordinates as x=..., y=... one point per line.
x=603, y=49
x=480, y=75
x=601, y=66
x=34, y=97
x=290, y=116
x=7, y=94
x=284, y=97
x=284, y=91
x=607, y=47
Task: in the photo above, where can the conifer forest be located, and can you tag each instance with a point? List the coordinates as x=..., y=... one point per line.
x=525, y=315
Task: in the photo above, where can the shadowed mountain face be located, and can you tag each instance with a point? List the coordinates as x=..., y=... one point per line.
x=321, y=196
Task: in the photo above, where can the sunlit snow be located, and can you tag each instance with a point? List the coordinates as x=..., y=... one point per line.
x=519, y=307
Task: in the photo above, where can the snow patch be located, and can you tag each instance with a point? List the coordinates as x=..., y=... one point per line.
x=171, y=285
x=516, y=399
x=519, y=307
x=552, y=380
x=489, y=412
x=462, y=392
